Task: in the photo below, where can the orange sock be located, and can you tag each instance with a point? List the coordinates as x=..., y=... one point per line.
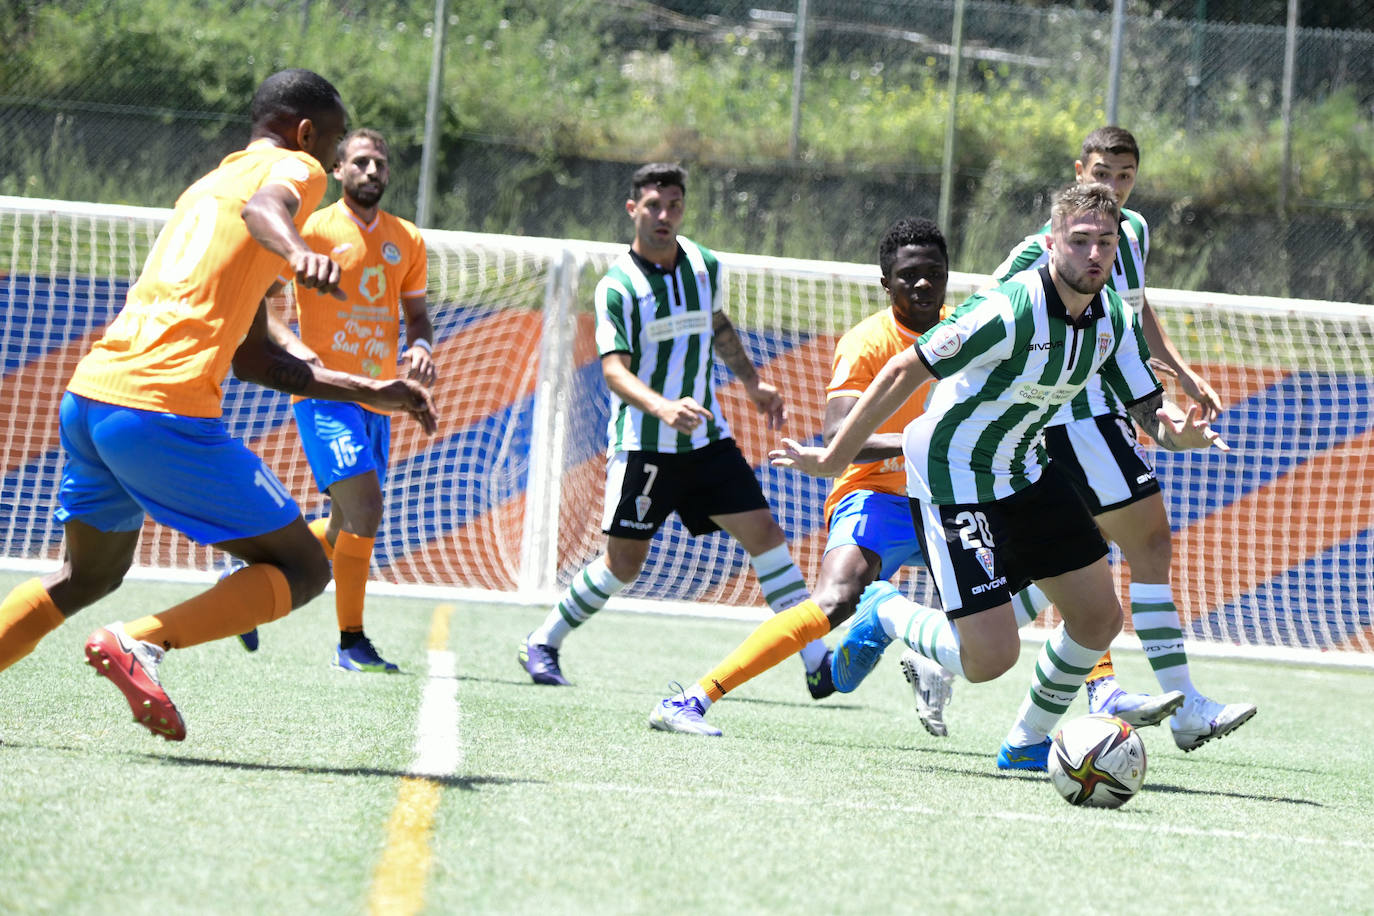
x=1103, y=668
x=26, y=615
x=320, y=528
x=236, y=604
x=775, y=639
x=352, y=562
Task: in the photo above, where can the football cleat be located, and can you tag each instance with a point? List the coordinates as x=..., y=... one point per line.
x=863, y=642
x=1200, y=720
x=682, y=714
x=362, y=657
x=1024, y=757
x=131, y=665
x=249, y=640
x=1141, y=709
x=541, y=664
x=819, y=682
x=933, y=686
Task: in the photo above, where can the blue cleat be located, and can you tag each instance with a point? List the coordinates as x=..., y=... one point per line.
x=362, y=657
x=864, y=642
x=1024, y=757
x=541, y=664
x=249, y=640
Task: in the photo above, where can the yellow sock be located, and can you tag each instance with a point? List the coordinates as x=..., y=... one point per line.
x=352, y=562
x=320, y=528
x=774, y=640
x=254, y=595
x=26, y=615
x=1103, y=668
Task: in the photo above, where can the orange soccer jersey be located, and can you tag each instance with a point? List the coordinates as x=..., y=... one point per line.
x=170, y=347
x=859, y=356
x=381, y=263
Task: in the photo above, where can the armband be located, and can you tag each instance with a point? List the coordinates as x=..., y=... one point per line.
x=424, y=345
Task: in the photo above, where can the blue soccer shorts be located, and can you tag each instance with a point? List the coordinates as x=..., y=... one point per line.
x=188, y=473
x=343, y=440
x=880, y=522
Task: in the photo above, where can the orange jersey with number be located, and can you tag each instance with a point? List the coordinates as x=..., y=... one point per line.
x=171, y=345
x=380, y=264
x=859, y=356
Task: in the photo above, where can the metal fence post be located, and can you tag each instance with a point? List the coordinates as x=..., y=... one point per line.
x=424, y=197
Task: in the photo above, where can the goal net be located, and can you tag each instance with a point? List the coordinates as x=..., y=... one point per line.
x=1272, y=541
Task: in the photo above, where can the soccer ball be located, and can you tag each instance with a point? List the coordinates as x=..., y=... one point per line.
x=1097, y=761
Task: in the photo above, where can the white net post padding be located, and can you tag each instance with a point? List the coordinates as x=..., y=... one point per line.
x=1273, y=541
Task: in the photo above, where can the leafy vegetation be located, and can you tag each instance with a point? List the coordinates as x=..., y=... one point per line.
x=127, y=101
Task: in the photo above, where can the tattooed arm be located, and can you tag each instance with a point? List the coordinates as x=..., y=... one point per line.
x=262, y=360
x=1171, y=428
x=730, y=349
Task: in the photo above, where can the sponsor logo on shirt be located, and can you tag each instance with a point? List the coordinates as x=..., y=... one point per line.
x=372, y=284
x=1047, y=345
x=1031, y=393
x=682, y=325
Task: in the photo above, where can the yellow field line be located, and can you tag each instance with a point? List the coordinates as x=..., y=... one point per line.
x=398, y=884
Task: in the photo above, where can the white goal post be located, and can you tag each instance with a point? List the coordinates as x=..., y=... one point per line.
x=1273, y=542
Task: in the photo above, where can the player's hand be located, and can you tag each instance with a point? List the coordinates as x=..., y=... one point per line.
x=769, y=402
x=809, y=459
x=1191, y=430
x=1196, y=387
x=410, y=396
x=422, y=368
x=316, y=271
x=683, y=415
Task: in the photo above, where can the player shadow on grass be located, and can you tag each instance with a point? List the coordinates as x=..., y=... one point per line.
x=467, y=783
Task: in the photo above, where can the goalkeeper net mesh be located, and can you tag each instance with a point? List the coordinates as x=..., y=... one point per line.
x=1273, y=548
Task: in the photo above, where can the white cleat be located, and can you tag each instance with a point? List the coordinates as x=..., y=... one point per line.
x=1141, y=709
x=682, y=714
x=1200, y=720
x=932, y=686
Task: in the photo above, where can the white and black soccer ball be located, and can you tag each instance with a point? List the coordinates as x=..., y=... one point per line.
x=1097, y=761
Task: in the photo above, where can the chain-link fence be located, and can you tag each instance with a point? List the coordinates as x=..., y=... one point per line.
x=1256, y=177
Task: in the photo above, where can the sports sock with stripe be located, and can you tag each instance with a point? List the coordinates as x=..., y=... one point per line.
x=925, y=630
x=1060, y=670
x=783, y=588
x=1156, y=620
x=586, y=594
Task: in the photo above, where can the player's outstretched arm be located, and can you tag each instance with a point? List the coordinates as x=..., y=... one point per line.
x=260, y=360
x=897, y=381
x=727, y=345
x=1173, y=429
x=268, y=216
x=1162, y=348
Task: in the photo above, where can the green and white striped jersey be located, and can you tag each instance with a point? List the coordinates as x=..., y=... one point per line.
x=1008, y=359
x=663, y=320
x=1128, y=279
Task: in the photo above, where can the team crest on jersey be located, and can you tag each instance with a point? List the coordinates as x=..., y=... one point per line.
x=984, y=556
x=372, y=284
x=1104, y=346
x=945, y=342
x=642, y=504
x=390, y=253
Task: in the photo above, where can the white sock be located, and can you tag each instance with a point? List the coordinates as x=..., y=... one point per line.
x=586, y=594
x=1028, y=604
x=696, y=691
x=925, y=629
x=1060, y=670
x=783, y=588
x=1157, y=626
